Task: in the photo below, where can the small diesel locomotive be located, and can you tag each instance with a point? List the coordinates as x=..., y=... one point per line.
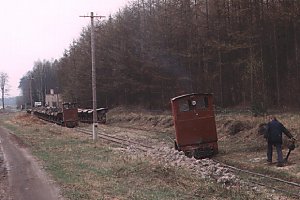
x=65, y=116
x=195, y=125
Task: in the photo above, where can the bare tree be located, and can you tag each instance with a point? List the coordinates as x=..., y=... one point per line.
x=3, y=85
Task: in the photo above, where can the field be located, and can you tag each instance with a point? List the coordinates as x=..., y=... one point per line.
x=103, y=170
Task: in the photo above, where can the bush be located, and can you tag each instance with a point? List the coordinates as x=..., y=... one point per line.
x=258, y=109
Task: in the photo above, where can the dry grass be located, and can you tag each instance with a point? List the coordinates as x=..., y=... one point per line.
x=247, y=148
x=161, y=120
x=87, y=170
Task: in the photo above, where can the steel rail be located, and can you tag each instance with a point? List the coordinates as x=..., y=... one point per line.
x=276, y=180
x=146, y=148
x=139, y=129
x=237, y=169
x=280, y=190
x=118, y=140
x=258, y=174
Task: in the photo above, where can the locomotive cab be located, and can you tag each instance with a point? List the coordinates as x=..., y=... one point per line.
x=195, y=126
x=70, y=115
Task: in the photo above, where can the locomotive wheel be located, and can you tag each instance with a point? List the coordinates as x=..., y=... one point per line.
x=188, y=154
x=103, y=120
x=70, y=124
x=197, y=154
x=175, y=145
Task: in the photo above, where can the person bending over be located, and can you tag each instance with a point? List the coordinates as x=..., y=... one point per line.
x=274, y=138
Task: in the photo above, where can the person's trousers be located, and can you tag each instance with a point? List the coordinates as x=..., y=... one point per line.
x=279, y=152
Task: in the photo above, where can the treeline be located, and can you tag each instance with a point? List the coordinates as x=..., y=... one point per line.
x=38, y=82
x=246, y=52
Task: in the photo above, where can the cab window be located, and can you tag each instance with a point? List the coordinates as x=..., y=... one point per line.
x=199, y=103
x=183, y=106
x=202, y=103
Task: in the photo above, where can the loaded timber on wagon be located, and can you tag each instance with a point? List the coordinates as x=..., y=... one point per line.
x=69, y=115
x=65, y=116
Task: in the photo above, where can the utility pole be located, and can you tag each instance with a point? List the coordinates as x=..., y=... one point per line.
x=95, y=124
x=30, y=91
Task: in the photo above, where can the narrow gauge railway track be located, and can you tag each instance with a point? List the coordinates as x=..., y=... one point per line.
x=139, y=129
x=280, y=185
x=254, y=178
x=118, y=140
x=50, y=120
x=144, y=129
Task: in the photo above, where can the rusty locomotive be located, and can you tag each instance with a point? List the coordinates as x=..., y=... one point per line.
x=195, y=127
x=65, y=116
x=193, y=116
x=69, y=115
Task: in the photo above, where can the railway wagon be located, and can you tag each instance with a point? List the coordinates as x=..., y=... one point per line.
x=195, y=126
x=65, y=116
x=86, y=115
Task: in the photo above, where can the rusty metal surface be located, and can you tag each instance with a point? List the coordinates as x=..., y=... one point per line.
x=66, y=116
x=86, y=115
x=194, y=121
x=70, y=114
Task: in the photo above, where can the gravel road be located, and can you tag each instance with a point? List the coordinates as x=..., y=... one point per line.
x=27, y=181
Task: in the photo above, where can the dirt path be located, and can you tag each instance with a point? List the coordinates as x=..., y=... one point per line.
x=26, y=180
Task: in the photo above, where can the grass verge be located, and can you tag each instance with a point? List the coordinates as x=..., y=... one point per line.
x=87, y=170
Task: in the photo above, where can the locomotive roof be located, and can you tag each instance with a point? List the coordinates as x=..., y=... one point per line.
x=191, y=94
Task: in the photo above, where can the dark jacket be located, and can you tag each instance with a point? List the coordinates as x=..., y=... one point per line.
x=275, y=130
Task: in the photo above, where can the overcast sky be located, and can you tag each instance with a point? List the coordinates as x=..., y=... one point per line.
x=42, y=29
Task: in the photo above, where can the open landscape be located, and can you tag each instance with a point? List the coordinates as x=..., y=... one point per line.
x=150, y=99
x=84, y=169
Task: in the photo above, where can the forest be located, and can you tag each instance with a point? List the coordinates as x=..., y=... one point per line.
x=245, y=52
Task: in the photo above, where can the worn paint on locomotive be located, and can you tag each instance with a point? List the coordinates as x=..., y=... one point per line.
x=65, y=116
x=70, y=115
x=195, y=126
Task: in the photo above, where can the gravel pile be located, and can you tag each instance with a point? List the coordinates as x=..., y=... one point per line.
x=205, y=168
